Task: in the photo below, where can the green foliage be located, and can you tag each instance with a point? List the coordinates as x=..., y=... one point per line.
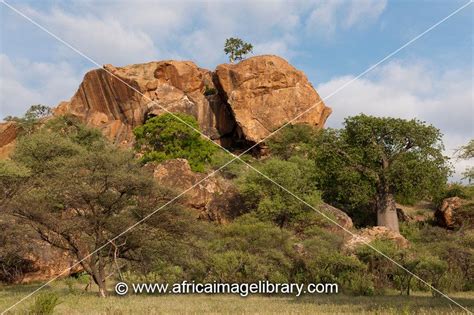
x=84, y=192
x=294, y=140
x=374, y=157
x=209, y=91
x=165, y=137
x=271, y=202
x=33, y=116
x=236, y=48
x=249, y=250
x=44, y=303
x=467, y=153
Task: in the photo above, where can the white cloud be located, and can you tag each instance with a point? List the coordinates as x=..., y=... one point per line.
x=120, y=33
x=19, y=86
x=409, y=91
x=104, y=39
x=327, y=16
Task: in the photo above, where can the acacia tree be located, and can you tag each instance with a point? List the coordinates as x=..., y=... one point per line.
x=373, y=161
x=78, y=192
x=236, y=48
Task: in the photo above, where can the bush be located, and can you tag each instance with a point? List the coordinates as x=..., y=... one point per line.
x=44, y=304
x=270, y=202
x=165, y=137
x=209, y=91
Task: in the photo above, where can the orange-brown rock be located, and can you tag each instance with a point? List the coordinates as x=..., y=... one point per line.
x=368, y=235
x=8, y=133
x=265, y=92
x=117, y=99
x=339, y=216
x=241, y=102
x=214, y=197
x=446, y=213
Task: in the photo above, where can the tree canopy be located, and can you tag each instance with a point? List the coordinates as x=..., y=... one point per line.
x=236, y=48
x=372, y=161
x=272, y=203
x=85, y=191
x=164, y=137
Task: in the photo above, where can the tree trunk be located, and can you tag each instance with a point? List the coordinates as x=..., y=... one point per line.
x=387, y=212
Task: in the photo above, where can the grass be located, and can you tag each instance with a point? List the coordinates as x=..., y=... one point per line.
x=80, y=302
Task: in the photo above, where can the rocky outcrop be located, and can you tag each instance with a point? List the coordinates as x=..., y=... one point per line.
x=117, y=99
x=339, y=216
x=214, y=198
x=454, y=213
x=8, y=134
x=265, y=92
x=368, y=235
x=237, y=103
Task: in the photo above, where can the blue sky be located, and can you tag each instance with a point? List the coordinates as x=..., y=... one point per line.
x=331, y=41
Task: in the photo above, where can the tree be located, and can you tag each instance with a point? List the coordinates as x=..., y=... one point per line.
x=373, y=161
x=33, y=116
x=164, y=137
x=79, y=192
x=269, y=201
x=236, y=48
x=466, y=153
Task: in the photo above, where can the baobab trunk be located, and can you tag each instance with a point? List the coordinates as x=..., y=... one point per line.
x=387, y=212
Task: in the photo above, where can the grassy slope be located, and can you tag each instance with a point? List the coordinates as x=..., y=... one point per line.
x=88, y=303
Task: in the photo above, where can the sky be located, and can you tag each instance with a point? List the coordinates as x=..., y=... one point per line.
x=333, y=42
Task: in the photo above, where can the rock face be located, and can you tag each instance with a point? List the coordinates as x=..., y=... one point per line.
x=369, y=235
x=266, y=92
x=339, y=216
x=8, y=134
x=236, y=103
x=214, y=198
x=447, y=214
x=117, y=99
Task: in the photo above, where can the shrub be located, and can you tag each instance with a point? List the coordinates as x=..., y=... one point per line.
x=269, y=201
x=44, y=303
x=165, y=137
x=209, y=91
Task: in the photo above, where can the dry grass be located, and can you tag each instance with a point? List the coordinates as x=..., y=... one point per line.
x=79, y=302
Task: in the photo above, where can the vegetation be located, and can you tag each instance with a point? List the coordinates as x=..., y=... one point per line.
x=86, y=191
x=32, y=118
x=270, y=201
x=467, y=153
x=236, y=48
x=44, y=304
x=165, y=137
x=393, y=304
x=373, y=161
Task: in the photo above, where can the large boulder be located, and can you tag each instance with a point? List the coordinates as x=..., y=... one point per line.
x=214, y=198
x=338, y=215
x=265, y=92
x=238, y=104
x=455, y=212
x=117, y=99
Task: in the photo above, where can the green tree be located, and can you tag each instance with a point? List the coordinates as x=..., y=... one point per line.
x=79, y=192
x=372, y=161
x=33, y=116
x=164, y=137
x=236, y=49
x=467, y=153
x=271, y=202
